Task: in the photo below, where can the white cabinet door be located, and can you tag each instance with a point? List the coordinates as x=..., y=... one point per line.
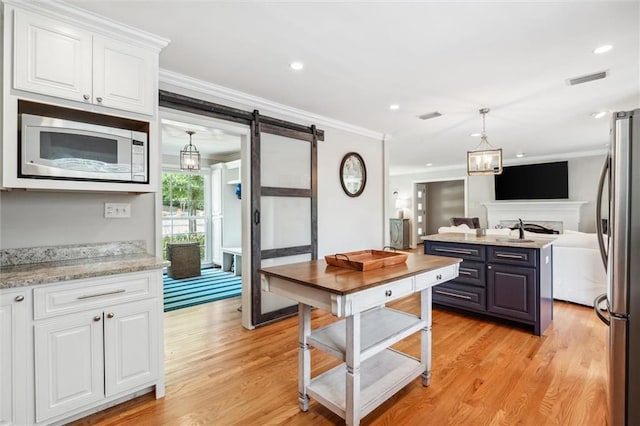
x=123, y=76
x=13, y=357
x=52, y=58
x=69, y=364
x=131, y=345
x=57, y=59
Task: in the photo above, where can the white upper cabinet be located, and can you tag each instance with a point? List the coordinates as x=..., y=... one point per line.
x=58, y=59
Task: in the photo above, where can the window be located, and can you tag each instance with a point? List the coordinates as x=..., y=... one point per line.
x=183, y=210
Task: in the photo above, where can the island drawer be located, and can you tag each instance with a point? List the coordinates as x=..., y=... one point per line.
x=512, y=256
x=472, y=273
x=462, y=251
x=460, y=295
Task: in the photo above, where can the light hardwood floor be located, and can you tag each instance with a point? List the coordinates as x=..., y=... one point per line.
x=484, y=373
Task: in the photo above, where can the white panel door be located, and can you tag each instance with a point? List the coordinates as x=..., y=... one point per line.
x=216, y=214
x=52, y=58
x=69, y=367
x=123, y=76
x=13, y=358
x=131, y=345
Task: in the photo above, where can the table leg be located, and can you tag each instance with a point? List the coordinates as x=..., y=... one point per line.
x=353, y=370
x=304, y=355
x=425, y=350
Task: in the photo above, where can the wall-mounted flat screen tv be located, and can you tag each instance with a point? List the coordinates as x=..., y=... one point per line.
x=533, y=182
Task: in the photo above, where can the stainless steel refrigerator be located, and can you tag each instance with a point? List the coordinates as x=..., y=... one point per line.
x=620, y=248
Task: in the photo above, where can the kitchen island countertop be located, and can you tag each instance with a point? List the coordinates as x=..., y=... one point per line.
x=490, y=240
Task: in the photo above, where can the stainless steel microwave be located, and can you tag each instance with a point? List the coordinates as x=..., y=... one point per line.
x=57, y=148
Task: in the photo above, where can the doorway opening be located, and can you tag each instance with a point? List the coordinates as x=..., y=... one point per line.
x=201, y=210
x=436, y=202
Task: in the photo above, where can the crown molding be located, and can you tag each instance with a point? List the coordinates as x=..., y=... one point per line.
x=511, y=162
x=66, y=12
x=252, y=102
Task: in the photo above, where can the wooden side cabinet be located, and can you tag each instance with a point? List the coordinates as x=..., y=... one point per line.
x=399, y=229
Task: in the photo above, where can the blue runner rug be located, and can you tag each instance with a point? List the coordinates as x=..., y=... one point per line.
x=213, y=284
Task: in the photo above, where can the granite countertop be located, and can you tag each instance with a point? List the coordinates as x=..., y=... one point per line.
x=43, y=265
x=490, y=240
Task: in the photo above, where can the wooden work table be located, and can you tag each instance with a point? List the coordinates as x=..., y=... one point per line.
x=371, y=372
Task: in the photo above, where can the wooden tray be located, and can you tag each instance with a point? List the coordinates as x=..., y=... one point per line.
x=365, y=260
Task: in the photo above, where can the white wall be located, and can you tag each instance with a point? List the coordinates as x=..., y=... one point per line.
x=38, y=218
x=584, y=173
x=346, y=223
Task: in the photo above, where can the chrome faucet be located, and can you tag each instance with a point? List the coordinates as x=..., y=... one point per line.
x=521, y=230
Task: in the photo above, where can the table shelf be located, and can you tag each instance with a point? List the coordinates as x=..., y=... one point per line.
x=380, y=328
x=381, y=376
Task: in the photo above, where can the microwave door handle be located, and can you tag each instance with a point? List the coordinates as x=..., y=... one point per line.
x=599, y=228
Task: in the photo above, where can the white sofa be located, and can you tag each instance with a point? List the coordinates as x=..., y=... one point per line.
x=578, y=273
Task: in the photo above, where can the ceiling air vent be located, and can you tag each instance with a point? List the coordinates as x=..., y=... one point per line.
x=429, y=115
x=587, y=78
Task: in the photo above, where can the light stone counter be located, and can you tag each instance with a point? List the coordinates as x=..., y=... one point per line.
x=41, y=265
x=490, y=240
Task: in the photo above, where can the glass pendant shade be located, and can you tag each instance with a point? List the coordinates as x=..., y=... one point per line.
x=189, y=156
x=485, y=159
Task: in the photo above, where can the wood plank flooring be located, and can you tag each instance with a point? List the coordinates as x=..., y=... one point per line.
x=484, y=373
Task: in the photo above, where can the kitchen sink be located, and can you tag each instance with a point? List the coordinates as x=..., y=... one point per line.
x=514, y=240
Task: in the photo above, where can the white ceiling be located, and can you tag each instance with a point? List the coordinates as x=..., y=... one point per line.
x=212, y=143
x=454, y=58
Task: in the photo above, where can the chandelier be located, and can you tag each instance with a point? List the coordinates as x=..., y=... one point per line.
x=485, y=159
x=189, y=156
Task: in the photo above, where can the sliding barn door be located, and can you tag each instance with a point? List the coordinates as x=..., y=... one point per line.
x=284, y=209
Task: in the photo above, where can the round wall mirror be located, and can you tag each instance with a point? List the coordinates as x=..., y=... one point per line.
x=353, y=174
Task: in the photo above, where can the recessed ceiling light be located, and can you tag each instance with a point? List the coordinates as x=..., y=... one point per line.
x=475, y=135
x=394, y=107
x=520, y=154
x=429, y=164
x=297, y=66
x=602, y=49
x=599, y=114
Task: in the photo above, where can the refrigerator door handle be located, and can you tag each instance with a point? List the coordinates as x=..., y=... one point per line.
x=599, y=230
x=596, y=308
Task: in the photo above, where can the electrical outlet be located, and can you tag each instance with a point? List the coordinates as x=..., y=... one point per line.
x=117, y=210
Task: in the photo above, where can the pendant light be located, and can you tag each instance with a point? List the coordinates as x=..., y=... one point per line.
x=485, y=159
x=189, y=156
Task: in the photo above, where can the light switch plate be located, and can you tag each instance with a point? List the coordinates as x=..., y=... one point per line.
x=117, y=210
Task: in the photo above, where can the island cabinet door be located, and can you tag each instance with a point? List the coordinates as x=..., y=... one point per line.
x=511, y=292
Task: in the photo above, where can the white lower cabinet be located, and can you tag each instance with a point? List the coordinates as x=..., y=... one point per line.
x=83, y=358
x=95, y=341
x=13, y=357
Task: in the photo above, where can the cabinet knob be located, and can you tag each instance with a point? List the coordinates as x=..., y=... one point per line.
x=489, y=267
x=97, y=318
x=99, y=99
x=111, y=315
x=19, y=298
x=438, y=277
x=388, y=293
x=86, y=97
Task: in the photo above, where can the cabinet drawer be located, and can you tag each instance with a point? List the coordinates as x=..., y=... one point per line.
x=463, y=251
x=74, y=296
x=460, y=295
x=472, y=273
x=431, y=278
x=377, y=296
x=512, y=256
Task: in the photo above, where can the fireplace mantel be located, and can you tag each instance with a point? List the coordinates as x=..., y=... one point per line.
x=567, y=212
